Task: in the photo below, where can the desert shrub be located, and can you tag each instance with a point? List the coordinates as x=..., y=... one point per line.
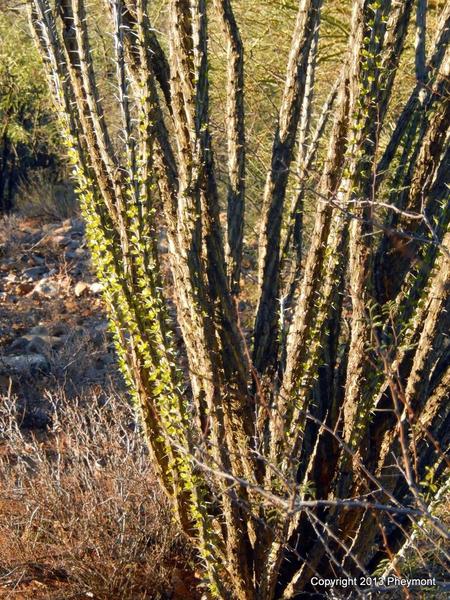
x=28, y=134
x=43, y=194
x=81, y=512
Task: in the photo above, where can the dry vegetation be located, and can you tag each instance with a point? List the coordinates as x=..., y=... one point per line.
x=82, y=515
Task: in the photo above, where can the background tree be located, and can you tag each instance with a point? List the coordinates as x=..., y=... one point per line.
x=305, y=453
x=28, y=136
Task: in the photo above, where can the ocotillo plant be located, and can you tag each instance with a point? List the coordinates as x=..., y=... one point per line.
x=299, y=450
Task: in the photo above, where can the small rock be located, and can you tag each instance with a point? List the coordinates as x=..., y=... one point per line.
x=39, y=330
x=63, y=229
x=19, y=344
x=76, y=271
x=59, y=329
x=34, y=273
x=81, y=289
x=50, y=226
x=58, y=239
x=96, y=288
x=24, y=288
x=61, y=240
x=24, y=364
x=33, y=238
x=25, y=229
x=78, y=253
x=42, y=344
x=46, y=288
x=38, y=259
x=73, y=245
x=77, y=225
x=36, y=344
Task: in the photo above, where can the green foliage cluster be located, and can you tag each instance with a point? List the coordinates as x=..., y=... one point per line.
x=28, y=134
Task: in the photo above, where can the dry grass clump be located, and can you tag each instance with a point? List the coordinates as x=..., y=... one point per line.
x=9, y=236
x=42, y=194
x=81, y=514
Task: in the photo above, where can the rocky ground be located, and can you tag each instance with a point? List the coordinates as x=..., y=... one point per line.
x=53, y=332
